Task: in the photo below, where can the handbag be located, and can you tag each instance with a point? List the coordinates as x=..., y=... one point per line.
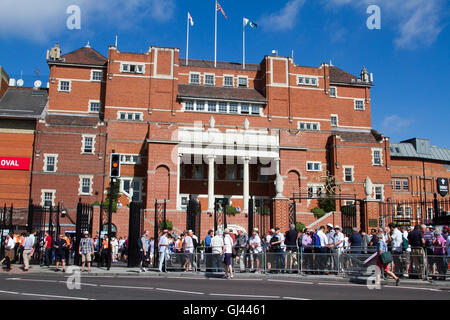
x=386, y=257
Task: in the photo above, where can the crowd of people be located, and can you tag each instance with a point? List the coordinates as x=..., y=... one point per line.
x=415, y=251
x=412, y=249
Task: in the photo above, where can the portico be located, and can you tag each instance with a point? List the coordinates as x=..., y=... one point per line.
x=238, y=161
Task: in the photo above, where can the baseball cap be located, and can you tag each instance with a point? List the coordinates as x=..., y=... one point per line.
x=330, y=225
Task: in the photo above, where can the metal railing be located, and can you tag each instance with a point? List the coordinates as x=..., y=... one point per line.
x=413, y=263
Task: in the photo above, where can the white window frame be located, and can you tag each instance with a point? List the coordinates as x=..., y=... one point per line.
x=308, y=77
x=199, y=77
x=43, y=192
x=228, y=76
x=403, y=185
x=373, y=157
x=209, y=74
x=314, y=187
x=193, y=105
x=46, y=156
x=407, y=211
x=64, y=80
x=310, y=123
x=132, y=162
x=92, y=75
x=246, y=81
x=335, y=92
x=141, y=116
x=353, y=173
x=99, y=106
x=382, y=192
x=360, y=100
x=131, y=179
x=399, y=183
x=91, y=185
x=337, y=120
x=83, y=137
x=129, y=64
x=313, y=163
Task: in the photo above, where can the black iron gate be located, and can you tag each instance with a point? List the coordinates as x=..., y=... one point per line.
x=348, y=218
x=220, y=213
x=83, y=223
x=193, y=216
x=260, y=215
x=135, y=231
x=160, y=225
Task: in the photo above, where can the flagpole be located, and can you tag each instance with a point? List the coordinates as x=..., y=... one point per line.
x=215, y=34
x=187, y=42
x=243, y=44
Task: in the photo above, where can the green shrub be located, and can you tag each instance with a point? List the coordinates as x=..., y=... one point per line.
x=169, y=225
x=230, y=210
x=299, y=227
x=327, y=205
x=318, y=212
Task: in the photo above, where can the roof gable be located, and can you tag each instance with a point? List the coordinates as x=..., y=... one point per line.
x=85, y=55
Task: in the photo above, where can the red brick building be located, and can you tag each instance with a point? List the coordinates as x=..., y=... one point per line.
x=20, y=110
x=269, y=130
x=69, y=153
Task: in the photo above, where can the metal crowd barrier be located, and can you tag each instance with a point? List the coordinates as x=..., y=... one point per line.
x=414, y=262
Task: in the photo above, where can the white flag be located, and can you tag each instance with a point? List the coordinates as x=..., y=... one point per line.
x=190, y=19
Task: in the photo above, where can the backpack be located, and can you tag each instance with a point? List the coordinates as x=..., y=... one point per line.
x=405, y=244
x=139, y=244
x=275, y=247
x=195, y=242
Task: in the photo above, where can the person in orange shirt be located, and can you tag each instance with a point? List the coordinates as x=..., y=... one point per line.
x=20, y=248
x=105, y=254
x=67, y=249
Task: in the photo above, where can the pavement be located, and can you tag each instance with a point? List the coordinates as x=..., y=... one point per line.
x=123, y=271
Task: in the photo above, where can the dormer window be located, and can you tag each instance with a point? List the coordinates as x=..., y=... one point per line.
x=194, y=78
x=209, y=79
x=243, y=82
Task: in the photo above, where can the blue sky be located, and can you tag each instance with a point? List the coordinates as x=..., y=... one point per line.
x=409, y=55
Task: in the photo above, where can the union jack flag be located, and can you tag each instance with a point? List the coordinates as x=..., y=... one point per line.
x=218, y=7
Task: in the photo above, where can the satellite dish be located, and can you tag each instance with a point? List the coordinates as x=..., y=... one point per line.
x=19, y=82
x=37, y=84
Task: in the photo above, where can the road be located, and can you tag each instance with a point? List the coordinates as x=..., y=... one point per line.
x=54, y=287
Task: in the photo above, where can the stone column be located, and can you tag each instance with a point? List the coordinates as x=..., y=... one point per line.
x=211, y=183
x=246, y=191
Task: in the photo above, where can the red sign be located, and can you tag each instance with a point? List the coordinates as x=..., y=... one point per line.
x=14, y=163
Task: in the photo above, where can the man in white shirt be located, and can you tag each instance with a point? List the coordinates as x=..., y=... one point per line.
x=27, y=251
x=323, y=249
x=163, y=249
x=9, y=251
x=255, y=250
x=338, y=244
x=216, y=251
x=397, y=250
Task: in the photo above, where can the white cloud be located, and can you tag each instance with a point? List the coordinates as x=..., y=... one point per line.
x=416, y=22
x=285, y=19
x=394, y=123
x=40, y=20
